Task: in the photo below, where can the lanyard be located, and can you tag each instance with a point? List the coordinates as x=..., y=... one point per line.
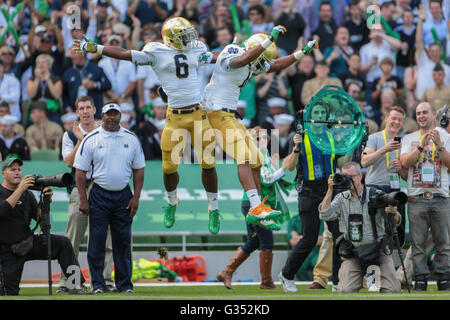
x=387, y=153
x=309, y=155
x=420, y=143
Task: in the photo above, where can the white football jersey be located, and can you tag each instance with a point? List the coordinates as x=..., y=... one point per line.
x=224, y=88
x=177, y=71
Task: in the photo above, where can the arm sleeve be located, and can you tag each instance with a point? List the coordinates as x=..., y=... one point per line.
x=141, y=58
x=268, y=178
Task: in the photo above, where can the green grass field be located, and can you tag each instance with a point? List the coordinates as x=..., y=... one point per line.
x=219, y=292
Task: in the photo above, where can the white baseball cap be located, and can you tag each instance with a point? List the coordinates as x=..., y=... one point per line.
x=276, y=102
x=283, y=119
x=111, y=106
x=8, y=119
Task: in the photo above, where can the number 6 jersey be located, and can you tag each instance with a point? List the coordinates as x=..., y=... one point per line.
x=176, y=69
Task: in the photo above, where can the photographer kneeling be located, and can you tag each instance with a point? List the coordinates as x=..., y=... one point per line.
x=364, y=235
x=18, y=244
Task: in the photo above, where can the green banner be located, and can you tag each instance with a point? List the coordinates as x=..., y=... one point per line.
x=191, y=214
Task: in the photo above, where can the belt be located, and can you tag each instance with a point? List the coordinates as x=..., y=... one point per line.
x=184, y=111
x=237, y=114
x=111, y=191
x=430, y=195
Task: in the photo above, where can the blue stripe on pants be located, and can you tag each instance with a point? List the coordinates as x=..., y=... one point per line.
x=109, y=208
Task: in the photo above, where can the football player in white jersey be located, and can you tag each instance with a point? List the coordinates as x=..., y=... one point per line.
x=233, y=68
x=176, y=63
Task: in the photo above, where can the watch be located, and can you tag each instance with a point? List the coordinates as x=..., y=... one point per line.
x=420, y=148
x=442, y=148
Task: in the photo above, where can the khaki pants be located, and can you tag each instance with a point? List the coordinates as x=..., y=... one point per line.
x=76, y=228
x=323, y=269
x=351, y=275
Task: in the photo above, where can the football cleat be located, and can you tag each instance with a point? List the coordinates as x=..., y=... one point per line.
x=169, y=214
x=214, y=221
x=268, y=224
x=261, y=212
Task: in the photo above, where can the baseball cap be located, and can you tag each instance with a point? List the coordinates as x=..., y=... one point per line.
x=8, y=162
x=103, y=3
x=8, y=119
x=284, y=119
x=115, y=37
x=111, y=106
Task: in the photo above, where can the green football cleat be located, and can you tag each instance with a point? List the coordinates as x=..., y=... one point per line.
x=214, y=221
x=169, y=215
x=268, y=224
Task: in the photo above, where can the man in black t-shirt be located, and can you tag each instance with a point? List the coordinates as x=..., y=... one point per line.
x=17, y=207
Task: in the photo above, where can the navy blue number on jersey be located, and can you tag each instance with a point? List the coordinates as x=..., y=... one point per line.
x=182, y=68
x=233, y=50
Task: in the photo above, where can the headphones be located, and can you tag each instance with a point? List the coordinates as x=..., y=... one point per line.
x=444, y=120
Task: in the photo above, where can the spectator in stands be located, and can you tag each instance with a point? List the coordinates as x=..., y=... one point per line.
x=435, y=21
x=8, y=57
x=85, y=77
x=387, y=10
x=353, y=73
x=427, y=60
x=121, y=74
x=43, y=134
x=150, y=11
x=256, y=16
x=48, y=37
x=388, y=100
x=4, y=110
x=379, y=47
x=284, y=134
x=439, y=95
x=276, y=106
x=311, y=87
x=10, y=92
x=327, y=26
x=293, y=21
x=407, y=32
x=46, y=86
x=353, y=88
x=223, y=38
x=68, y=120
x=219, y=18
x=270, y=85
x=410, y=79
x=356, y=25
x=187, y=9
x=338, y=55
x=298, y=74
x=29, y=11
x=245, y=5
x=12, y=144
x=387, y=80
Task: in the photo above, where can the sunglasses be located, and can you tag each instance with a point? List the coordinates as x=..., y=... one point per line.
x=261, y=137
x=7, y=54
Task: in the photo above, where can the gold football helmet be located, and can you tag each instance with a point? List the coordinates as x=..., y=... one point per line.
x=268, y=55
x=178, y=33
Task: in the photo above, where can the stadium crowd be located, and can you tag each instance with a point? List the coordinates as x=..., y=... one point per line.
x=401, y=63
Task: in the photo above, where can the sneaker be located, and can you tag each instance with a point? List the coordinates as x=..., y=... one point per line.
x=370, y=283
x=261, y=212
x=62, y=289
x=288, y=285
x=334, y=288
x=110, y=288
x=268, y=224
x=443, y=285
x=316, y=285
x=214, y=221
x=81, y=290
x=420, y=285
x=98, y=290
x=127, y=291
x=169, y=214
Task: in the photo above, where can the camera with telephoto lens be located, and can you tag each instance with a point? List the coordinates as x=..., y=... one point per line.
x=342, y=181
x=62, y=180
x=380, y=199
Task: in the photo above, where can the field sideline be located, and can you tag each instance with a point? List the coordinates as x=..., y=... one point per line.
x=216, y=291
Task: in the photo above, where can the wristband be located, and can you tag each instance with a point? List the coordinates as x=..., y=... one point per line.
x=298, y=54
x=100, y=49
x=266, y=43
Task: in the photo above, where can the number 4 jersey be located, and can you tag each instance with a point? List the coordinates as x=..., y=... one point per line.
x=177, y=70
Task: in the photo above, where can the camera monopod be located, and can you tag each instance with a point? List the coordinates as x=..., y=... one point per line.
x=44, y=205
x=399, y=248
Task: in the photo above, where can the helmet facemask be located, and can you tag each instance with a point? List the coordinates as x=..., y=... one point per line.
x=257, y=66
x=187, y=38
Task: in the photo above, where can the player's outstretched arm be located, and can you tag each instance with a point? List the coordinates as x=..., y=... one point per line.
x=88, y=46
x=285, y=62
x=255, y=52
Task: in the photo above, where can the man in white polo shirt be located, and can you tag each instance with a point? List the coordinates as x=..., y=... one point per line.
x=113, y=155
